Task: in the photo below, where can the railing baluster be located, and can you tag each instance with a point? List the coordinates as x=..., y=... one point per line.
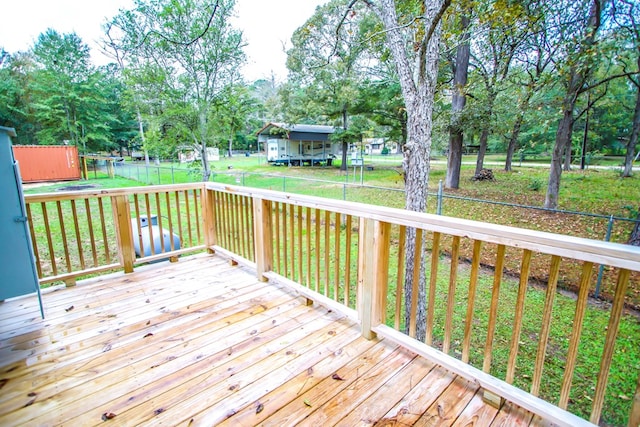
x=251, y=221
x=159, y=216
x=197, y=199
x=300, y=253
x=609, y=344
x=52, y=255
x=413, y=317
x=179, y=217
x=74, y=212
x=453, y=281
x=152, y=247
x=317, y=251
x=188, y=212
x=94, y=252
x=581, y=306
x=347, y=260
x=63, y=234
x=402, y=230
x=327, y=243
x=433, y=281
x=493, y=311
x=34, y=241
x=105, y=240
x=167, y=205
x=291, y=239
x=519, y=310
x=473, y=283
x=308, y=256
x=276, y=210
x=546, y=324
x=336, y=278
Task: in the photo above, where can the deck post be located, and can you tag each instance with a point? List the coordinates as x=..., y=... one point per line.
x=122, y=216
x=262, y=217
x=209, y=218
x=373, y=274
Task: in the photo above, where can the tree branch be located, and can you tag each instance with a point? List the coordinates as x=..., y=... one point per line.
x=179, y=43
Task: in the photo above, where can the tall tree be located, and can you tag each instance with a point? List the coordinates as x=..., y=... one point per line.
x=413, y=36
x=183, y=53
x=580, y=55
x=330, y=68
x=628, y=17
x=458, y=101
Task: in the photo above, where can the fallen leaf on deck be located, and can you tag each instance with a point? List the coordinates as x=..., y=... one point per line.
x=69, y=309
x=259, y=408
x=306, y=402
x=108, y=416
x=148, y=335
x=337, y=377
x=441, y=412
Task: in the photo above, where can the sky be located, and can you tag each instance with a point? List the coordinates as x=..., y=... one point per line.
x=266, y=25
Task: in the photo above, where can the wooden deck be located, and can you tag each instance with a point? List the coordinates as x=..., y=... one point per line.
x=201, y=342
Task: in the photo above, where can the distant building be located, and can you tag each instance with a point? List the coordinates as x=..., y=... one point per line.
x=297, y=145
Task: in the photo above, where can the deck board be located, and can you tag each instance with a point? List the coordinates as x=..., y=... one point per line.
x=202, y=342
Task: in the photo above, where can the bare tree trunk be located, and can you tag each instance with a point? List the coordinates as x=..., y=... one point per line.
x=578, y=74
x=562, y=135
x=458, y=101
x=345, y=144
x=418, y=86
x=568, y=148
x=633, y=139
x=484, y=137
x=517, y=125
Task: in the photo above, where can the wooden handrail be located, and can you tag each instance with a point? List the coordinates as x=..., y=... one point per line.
x=320, y=272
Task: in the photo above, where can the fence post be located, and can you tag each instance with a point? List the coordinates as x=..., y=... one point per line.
x=159, y=179
x=601, y=269
x=284, y=184
x=344, y=192
x=124, y=234
x=373, y=274
x=439, y=201
x=173, y=179
x=263, y=236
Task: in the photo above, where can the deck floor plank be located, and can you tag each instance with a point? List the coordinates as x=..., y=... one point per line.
x=202, y=342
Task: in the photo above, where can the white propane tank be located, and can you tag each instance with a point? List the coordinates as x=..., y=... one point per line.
x=143, y=232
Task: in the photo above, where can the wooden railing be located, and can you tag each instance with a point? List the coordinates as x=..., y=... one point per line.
x=86, y=232
x=482, y=317
x=352, y=257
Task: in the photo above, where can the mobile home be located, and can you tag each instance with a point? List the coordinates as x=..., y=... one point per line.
x=298, y=145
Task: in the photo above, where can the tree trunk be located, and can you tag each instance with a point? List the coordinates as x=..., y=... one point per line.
x=568, y=148
x=454, y=160
x=634, y=239
x=633, y=139
x=517, y=125
x=578, y=74
x=418, y=84
x=562, y=136
x=484, y=136
x=345, y=144
x=458, y=101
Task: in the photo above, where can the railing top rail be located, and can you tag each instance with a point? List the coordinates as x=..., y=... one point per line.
x=88, y=194
x=613, y=254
